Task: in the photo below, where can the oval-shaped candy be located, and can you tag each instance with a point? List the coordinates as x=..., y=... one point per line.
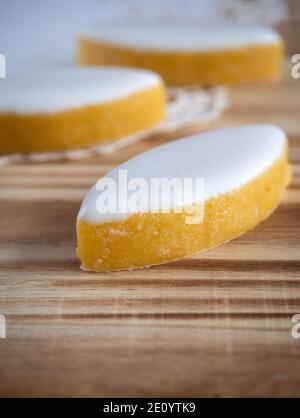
x=126, y=222
x=187, y=53
x=72, y=108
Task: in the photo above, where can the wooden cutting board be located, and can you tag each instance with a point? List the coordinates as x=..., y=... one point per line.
x=218, y=324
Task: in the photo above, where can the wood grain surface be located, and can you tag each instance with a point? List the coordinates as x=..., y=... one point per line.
x=218, y=324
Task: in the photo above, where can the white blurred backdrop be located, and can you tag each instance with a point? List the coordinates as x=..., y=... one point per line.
x=39, y=34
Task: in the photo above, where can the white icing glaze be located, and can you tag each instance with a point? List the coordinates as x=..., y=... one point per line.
x=59, y=90
x=182, y=36
x=226, y=159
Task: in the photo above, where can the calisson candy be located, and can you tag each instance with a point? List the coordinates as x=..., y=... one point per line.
x=69, y=109
x=193, y=53
x=127, y=222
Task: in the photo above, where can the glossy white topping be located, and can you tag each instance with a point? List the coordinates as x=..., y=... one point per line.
x=182, y=36
x=59, y=90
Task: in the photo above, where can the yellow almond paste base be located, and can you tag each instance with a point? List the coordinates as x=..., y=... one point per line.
x=149, y=239
x=246, y=64
x=82, y=127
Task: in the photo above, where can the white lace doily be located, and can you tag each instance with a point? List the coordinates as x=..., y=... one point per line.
x=186, y=106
